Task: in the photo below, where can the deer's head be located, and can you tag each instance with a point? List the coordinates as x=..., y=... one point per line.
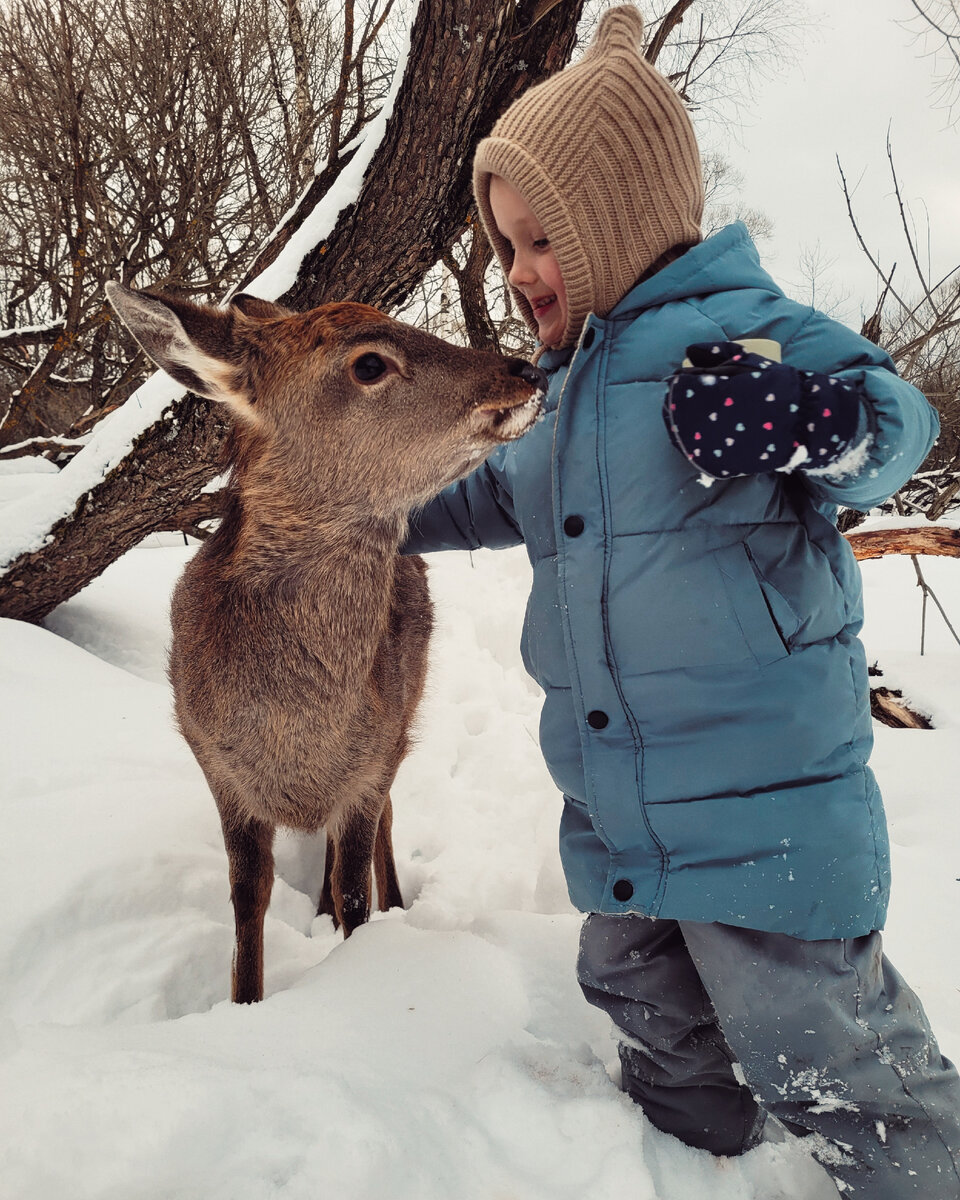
x=347, y=397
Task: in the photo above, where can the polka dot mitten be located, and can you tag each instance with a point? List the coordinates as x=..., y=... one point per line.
x=734, y=413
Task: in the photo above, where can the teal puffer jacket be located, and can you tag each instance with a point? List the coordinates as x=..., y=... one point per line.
x=706, y=710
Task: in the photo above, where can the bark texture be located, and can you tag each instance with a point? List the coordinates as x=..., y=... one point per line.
x=889, y=708
x=932, y=539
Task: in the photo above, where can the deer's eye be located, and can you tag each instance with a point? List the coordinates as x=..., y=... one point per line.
x=368, y=368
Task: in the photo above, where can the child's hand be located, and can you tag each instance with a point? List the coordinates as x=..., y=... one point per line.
x=734, y=413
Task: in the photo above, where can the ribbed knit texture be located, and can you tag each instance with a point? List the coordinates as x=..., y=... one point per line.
x=605, y=156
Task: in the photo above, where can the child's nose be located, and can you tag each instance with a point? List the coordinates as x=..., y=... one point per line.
x=521, y=272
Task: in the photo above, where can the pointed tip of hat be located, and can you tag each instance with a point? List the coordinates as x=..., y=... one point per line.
x=620, y=27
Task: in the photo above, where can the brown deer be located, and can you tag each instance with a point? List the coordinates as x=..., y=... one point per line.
x=299, y=633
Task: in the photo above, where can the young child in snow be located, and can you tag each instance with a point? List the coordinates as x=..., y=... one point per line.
x=707, y=706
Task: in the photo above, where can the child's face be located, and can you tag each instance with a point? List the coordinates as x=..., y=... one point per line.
x=535, y=271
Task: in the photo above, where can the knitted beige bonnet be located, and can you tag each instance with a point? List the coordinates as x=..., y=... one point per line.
x=605, y=155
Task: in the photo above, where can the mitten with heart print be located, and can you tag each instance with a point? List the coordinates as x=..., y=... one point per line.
x=735, y=413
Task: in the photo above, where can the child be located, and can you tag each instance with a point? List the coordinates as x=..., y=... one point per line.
x=707, y=706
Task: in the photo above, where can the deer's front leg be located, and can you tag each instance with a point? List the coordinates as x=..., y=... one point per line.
x=250, y=854
x=352, y=869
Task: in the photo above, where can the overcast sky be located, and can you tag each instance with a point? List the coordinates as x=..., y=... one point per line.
x=858, y=71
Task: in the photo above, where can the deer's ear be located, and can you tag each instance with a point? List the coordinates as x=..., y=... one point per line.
x=264, y=310
x=193, y=343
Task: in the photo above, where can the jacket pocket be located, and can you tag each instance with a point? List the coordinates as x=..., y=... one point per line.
x=755, y=614
x=674, y=603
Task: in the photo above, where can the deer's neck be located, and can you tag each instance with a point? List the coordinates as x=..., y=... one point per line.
x=321, y=568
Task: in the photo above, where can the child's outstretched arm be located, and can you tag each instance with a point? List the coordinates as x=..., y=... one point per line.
x=897, y=424
x=854, y=429
x=476, y=511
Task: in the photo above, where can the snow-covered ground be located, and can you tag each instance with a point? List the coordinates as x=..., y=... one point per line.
x=445, y=1050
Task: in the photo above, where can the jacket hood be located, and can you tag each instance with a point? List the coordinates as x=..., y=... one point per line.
x=728, y=260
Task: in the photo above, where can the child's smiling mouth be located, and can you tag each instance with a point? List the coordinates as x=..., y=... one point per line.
x=542, y=304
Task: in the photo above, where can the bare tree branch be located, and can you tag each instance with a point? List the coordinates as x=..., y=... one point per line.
x=38, y=335
x=151, y=143
x=667, y=25
x=942, y=17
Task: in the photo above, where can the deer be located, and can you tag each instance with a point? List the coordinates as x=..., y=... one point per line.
x=299, y=632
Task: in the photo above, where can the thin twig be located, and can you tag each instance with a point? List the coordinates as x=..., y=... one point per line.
x=906, y=229
x=926, y=591
x=863, y=245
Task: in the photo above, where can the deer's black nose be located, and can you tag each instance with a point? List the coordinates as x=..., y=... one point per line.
x=521, y=369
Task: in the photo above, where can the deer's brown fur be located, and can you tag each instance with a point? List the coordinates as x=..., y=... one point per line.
x=299, y=633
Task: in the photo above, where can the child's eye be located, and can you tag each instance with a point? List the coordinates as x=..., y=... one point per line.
x=541, y=243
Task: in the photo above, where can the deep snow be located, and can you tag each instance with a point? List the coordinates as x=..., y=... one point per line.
x=445, y=1050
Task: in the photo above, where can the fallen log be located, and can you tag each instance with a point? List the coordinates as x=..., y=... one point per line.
x=931, y=539
x=888, y=706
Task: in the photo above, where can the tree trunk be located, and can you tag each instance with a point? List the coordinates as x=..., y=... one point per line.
x=468, y=60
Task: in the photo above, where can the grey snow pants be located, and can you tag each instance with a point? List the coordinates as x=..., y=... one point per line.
x=825, y=1035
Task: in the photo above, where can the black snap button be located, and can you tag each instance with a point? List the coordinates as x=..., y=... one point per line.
x=588, y=338
x=622, y=890
x=573, y=526
x=597, y=719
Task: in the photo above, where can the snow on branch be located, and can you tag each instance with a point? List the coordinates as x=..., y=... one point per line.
x=32, y=335
x=27, y=521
